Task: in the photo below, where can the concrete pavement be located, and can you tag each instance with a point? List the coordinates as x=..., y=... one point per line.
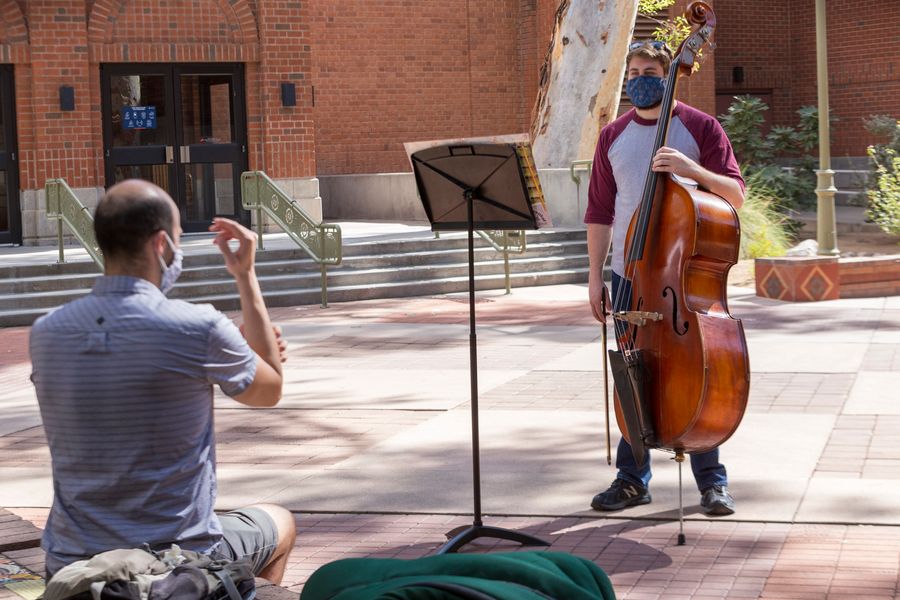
x=371, y=444
x=352, y=232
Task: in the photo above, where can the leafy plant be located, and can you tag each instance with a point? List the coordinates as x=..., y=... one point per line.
x=808, y=127
x=765, y=231
x=887, y=127
x=673, y=33
x=743, y=123
x=883, y=192
x=794, y=185
x=651, y=7
x=670, y=31
x=884, y=196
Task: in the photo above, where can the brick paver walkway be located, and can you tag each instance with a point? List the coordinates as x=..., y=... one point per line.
x=720, y=560
x=532, y=343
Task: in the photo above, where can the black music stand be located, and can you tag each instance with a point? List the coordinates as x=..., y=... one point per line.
x=466, y=184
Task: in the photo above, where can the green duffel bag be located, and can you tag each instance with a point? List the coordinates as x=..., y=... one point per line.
x=502, y=576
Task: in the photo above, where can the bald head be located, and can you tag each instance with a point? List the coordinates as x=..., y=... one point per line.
x=129, y=214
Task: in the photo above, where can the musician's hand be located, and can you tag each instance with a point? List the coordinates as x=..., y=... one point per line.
x=282, y=343
x=241, y=262
x=598, y=294
x=671, y=160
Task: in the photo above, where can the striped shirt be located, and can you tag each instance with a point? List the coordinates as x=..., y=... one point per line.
x=622, y=160
x=124, y=381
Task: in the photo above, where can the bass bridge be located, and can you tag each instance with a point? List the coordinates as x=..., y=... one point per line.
x=637, y=317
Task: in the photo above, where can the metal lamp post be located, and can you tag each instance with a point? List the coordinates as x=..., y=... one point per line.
x=826, y=225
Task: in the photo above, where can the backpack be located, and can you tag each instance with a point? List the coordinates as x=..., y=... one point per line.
x=501, y=576
x=141, y=574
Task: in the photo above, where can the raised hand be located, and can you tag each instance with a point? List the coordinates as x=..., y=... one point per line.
x=240, y=262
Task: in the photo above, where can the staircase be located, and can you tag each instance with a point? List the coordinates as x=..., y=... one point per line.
x=417, y=266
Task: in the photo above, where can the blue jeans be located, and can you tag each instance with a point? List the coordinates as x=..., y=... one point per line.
x=708, y=471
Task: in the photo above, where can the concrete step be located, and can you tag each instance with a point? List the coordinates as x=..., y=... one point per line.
x=370, y=269
x=266, y=268
x=352, y=278
x=430, y=287
x=848, y=219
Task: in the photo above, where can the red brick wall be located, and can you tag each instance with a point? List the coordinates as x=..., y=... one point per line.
x=287, y=134
x=61, y=141
x=698, y=89
x=155, y=21
x=67, y=40
x=370, y=76
x=378, y=85
x=496, y=88
x=774, y=40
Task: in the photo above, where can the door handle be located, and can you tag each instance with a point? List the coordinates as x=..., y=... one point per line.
x=185, y=154
x=170, y=155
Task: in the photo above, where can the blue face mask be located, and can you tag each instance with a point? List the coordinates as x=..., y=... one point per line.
x=172, y=271
x=645, y=91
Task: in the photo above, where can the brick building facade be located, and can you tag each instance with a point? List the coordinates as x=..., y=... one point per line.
x=770, y=46
x=367, y=76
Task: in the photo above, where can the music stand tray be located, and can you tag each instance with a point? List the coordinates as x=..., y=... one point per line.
x=483, y=183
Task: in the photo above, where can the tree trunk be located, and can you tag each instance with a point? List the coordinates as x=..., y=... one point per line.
x=581, y=79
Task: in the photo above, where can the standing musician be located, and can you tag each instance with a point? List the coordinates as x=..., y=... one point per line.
x=697, y=148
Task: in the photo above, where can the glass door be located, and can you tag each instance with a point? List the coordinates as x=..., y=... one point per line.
x=183, y=128
x=10, y=212
x=212, y=138
x=139, y=125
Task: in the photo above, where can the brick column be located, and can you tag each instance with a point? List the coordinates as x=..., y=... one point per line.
x=62, y=143
x=287, y=134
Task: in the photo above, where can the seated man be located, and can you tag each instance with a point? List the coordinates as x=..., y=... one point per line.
x=124, y=380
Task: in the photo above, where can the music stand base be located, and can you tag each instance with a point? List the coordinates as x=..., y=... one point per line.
x=479, y=531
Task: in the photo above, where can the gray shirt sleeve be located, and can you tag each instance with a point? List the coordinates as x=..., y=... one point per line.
x=230, y=362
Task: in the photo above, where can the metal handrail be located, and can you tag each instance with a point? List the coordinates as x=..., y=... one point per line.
x=577, y=179
x=502, y=241
x=65, y=207
x=505, y=242
x=321, y=241
x=579, y=163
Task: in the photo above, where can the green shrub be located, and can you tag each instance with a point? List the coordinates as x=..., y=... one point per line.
x=743, y=123
x=884, y=196
x=795, y=187
x=884, y=191
x=886, y=127
x=765, y=231
x=651, y=7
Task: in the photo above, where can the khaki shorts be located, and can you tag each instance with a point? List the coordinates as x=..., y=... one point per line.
x=247, y=532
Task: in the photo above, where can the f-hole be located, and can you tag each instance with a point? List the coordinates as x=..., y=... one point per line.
x=675, y=311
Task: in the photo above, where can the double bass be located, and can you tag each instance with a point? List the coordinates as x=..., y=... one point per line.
x=681, y=371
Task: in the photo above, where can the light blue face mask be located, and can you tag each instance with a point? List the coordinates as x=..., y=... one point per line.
x=172, y=272
x=645, y=91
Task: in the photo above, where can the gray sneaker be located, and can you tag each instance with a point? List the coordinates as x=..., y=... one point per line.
x=621, y=494
x=717, y=501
